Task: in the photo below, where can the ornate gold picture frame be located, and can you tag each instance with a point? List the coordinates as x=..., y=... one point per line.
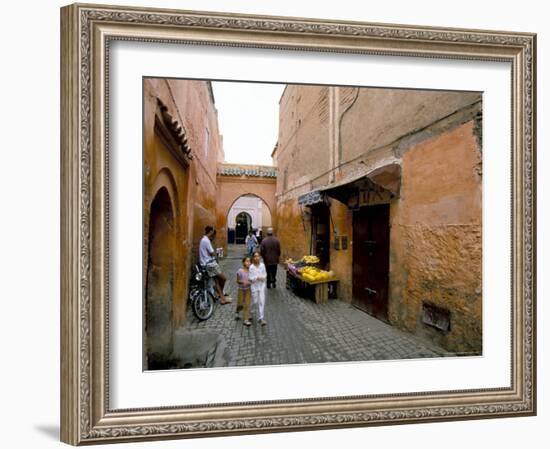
x=87, y=31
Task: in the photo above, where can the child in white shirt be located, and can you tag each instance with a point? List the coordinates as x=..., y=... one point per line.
x=257, y=276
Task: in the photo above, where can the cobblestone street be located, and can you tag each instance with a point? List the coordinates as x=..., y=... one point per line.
x=301, y=331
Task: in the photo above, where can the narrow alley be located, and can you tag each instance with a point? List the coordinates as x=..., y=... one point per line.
x=301, y=331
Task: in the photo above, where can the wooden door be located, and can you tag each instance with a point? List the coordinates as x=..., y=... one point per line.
x=371, y=256
x=321, y=234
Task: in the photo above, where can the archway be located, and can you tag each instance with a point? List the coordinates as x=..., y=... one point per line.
x=159, y=288
x=236, y=182
x=248, y=212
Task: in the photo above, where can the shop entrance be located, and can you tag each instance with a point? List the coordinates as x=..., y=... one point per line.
x=371, y=251
x=320, y=233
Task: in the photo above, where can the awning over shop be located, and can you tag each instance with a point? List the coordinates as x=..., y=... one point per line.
x=380, y=185
x=312, y=198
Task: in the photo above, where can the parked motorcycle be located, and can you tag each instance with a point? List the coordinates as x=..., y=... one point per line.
x=202, y=293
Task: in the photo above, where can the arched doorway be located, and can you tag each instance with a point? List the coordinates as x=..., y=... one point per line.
x=159, y=288
x=248, y=212
x=243, y=224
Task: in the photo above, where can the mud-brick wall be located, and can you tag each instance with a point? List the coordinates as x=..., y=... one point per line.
x=302, y=160
x=293, y=230
x=341, y=260
x=191, y=190
x=436, y=240
x=195, y=105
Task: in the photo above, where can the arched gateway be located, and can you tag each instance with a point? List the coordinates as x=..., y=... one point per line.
x=237, y=181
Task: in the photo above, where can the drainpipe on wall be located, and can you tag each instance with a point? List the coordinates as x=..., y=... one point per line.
x=336, y=125
x=340, y=120
x=334, y=130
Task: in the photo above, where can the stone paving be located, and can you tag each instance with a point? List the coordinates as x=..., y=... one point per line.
x=301, y=331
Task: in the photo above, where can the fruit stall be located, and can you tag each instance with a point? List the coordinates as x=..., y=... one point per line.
x=305, y=278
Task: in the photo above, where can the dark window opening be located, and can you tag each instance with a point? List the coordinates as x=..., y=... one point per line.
x=436, y=317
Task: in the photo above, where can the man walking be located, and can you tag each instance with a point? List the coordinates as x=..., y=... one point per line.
x=270, y=249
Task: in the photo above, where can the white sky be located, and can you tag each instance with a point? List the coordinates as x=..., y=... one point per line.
x=248, y=117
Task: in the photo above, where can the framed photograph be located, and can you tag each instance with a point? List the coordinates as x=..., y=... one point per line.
x=275, y=224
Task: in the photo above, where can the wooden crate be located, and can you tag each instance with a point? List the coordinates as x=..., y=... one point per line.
x=319, y=290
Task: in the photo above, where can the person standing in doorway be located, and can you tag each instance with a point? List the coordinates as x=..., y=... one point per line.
x=251, y=243
x=270, y=249
x=257, y=277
